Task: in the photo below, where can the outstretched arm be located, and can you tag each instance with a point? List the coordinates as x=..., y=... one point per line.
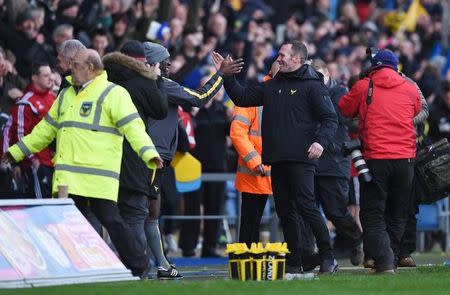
x=241, y=96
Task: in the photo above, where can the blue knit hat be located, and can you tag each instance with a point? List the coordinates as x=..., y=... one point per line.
x=385, y=58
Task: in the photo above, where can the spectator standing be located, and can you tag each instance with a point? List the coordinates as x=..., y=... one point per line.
x=37, y=170
x=333, y=172
x=66, y=54
x=165, y=135
x=389, y=146
x=146, y=89
x=211, y=130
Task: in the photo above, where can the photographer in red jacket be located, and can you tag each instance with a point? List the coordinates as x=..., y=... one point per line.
x=386, y=104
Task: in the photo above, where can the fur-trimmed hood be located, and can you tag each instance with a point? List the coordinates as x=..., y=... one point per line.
x=122, y=66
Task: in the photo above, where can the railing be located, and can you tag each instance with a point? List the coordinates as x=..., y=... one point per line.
x=216, y=177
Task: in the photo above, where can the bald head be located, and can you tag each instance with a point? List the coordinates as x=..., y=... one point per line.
x=93, y=58
x=86, y=66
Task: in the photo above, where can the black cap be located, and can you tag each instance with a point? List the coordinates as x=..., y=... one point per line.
x=133, y=48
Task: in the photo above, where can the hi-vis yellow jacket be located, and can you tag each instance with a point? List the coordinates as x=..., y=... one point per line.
x=89, y=128
x=245, y=133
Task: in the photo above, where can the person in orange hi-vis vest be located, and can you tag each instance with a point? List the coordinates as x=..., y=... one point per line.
x=252, y=177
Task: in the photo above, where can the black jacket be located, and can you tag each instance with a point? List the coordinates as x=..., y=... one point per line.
x=295, y=104
x=211, y=129
x=164, y=133
x=332, y=162
x=150, y=99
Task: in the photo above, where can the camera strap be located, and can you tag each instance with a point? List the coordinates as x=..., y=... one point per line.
x=368, y=102
x=369, y=93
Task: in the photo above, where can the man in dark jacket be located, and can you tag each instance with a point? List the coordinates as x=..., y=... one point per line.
x=386, y=104
x=295, y=103
x=165, y=137
x=333, y=172
x=146, y=89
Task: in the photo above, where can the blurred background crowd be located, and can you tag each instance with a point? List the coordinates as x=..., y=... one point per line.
x=336, y=31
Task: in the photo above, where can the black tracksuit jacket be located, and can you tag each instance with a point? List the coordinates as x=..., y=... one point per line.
x=297, y=112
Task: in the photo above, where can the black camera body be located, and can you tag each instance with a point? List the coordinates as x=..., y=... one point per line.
x=367, y=64
x=353, y=148
x=371, y=52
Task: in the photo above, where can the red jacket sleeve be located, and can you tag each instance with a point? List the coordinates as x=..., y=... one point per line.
x=350, y=102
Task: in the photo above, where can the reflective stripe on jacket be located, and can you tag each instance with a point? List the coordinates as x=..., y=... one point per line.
x=245, y=133
x=89, y=128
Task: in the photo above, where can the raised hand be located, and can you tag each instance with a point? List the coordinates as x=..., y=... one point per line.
x=217, y=60
x=230, y=67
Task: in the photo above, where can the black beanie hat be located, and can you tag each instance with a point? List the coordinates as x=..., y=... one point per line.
x=133, y=48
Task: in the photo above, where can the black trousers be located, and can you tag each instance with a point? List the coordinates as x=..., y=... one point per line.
x=212, y=196
x=169, y=197
x=252, y=209
x=384, y=209
x=131, y=252
x=332, y=193
x=409, y=239
x=293, y=190
x=133, y=207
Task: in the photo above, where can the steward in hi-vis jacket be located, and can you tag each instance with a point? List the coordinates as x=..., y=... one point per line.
x=88, y=120
x=89, y=128
x=252, y=177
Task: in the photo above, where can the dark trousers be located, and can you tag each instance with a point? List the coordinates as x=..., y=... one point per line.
x=293, y=190
x=131, y=252
x=39, y=185
x=133, y=207
x=332, y=194
x=169, y=198
x=384, y=209
x=252, y=209
x=409, y=239
x=212, y=196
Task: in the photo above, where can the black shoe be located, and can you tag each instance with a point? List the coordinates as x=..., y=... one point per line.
x=357, y=255
x=310, y=262
x=406, y=262
x=143, y=274
x=329, y=266
x=168, y=274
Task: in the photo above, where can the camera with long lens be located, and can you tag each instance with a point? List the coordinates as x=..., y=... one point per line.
x=367, y=63
x=353, y=148
x=371, y=52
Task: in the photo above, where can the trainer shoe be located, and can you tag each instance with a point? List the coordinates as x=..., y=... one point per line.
x=407, y=262
x=296, y=273
x=310, y=262
x=168, y=274
x=329, y=266
x=357, y=255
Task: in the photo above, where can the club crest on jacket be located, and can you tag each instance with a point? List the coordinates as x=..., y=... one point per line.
x=86, y=108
